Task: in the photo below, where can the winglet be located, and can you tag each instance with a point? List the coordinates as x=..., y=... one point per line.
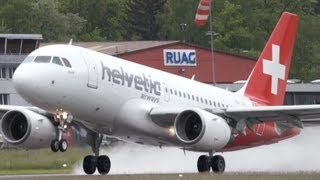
x=267, y=82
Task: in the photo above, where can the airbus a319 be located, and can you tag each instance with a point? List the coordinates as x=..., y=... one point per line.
x=111, y=96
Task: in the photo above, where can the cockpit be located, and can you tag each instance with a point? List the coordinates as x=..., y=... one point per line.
x=61, y=61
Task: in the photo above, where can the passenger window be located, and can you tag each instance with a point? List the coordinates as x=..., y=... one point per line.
x=166, y=90
x=66, y=62
x=206, y=101
x=184, y=95
x=188, y=96
x=57, y=60
x=42, y=59
x=201, y=100
x=210, y=103
x=197, y=98
x=175, y=92
x=179, y=93
x=171, y=91
x=192, y=97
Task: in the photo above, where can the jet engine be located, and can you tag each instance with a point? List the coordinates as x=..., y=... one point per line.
x=26, y=129
x=202, y=131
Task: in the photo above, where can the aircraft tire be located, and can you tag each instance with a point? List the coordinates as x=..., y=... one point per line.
x=55, y=145
x=218, y=164
x=89, y=164
x=103, y=164
x=63, y=145
x=203, y=164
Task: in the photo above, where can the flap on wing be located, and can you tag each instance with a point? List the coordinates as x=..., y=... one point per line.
x=307, y=114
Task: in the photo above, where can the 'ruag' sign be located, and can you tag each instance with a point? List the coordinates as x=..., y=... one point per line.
x=179, y=57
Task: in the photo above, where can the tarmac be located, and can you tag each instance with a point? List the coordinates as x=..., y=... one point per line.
x=206, y=176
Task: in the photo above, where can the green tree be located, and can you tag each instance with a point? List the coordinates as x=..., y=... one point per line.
x=182, y=12
x=306, y=62
x=142, y=18
x=40, y=16
x=104, y=18
x=16, y=16
x=316, y=6
x=56, y=26
x=234, y=35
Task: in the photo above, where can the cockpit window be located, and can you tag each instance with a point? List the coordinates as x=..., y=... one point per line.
x=66, y=62
x=28, y=59
x=42, y=59
x=57, y=60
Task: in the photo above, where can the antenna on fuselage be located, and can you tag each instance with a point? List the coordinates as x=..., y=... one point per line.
x=70, y=42
x=193, y=76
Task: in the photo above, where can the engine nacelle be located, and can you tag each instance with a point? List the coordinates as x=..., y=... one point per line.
x=26, y=129
x=202, y=131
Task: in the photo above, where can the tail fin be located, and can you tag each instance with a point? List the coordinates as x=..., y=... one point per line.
x=267, y=82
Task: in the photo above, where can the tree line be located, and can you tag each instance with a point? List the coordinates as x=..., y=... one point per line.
x=240, y=26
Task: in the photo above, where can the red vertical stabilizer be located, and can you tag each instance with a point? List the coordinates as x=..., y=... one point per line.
x=267, y=82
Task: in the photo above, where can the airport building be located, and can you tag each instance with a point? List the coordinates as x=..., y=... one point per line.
x=13, y=49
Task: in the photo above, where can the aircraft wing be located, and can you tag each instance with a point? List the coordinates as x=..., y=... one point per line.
x=295, y=115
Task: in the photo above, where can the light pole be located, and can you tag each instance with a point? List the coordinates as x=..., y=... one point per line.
x=183, y=27
x=211, y=33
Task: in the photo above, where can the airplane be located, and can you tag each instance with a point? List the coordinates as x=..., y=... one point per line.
x=110, y=96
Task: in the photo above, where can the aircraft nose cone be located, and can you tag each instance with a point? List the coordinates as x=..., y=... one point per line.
x=21, y=81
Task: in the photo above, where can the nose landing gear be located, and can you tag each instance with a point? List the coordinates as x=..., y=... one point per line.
x=62, y=119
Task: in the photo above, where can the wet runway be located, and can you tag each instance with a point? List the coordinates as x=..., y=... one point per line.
x=233, y=176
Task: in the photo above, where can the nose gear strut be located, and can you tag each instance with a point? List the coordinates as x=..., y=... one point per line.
x=62, y=119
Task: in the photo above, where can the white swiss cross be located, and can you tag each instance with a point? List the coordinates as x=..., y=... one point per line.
x=274, y=68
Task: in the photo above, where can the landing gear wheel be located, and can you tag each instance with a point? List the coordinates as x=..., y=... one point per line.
x=55, y=145
x=203, y=164
x=89, y=164
x=103, y=164
x=63, y=145
x=218, y=164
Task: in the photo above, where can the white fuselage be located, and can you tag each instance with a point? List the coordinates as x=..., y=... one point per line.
x=100, y=91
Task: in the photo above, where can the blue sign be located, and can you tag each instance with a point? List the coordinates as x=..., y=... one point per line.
x=179, y=57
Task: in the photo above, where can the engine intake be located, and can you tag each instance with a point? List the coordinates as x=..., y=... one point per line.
x=27, y=129
x=17, y=127
x=189, y=126
x=201, y=130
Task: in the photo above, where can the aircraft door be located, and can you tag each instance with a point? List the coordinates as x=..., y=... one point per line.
x=92, y=69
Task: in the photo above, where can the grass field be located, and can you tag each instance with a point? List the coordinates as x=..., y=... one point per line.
x=42, y=161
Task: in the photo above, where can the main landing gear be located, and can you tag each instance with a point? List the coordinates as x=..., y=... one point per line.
x=205, y=163
x=96, y=161
x=61, y=118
